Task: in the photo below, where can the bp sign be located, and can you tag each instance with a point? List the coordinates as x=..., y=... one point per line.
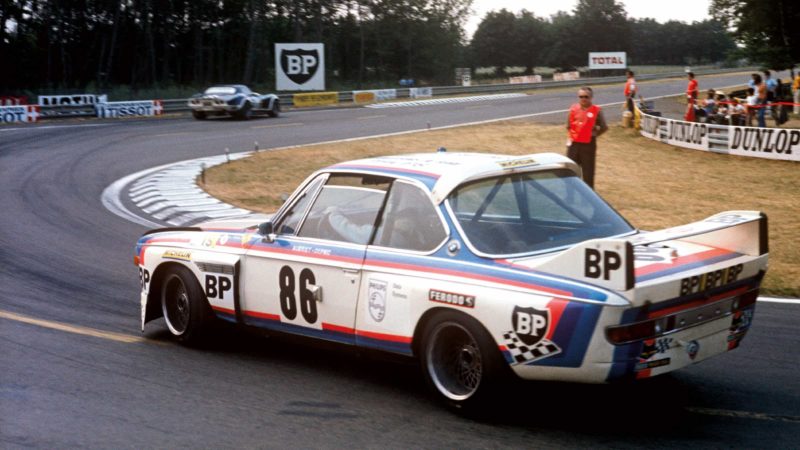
x=300, y=67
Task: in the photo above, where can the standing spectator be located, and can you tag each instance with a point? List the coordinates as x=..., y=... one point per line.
x=772, y=86
x=585, y=123
x=761, y=94
x=752, y=82
x=631, y=90
x=691, y=97
x=752, y=105
x=796, y=91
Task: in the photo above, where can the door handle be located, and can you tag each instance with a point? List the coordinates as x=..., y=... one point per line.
x=351, y=271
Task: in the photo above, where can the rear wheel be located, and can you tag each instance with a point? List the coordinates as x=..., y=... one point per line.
x=276, y=109
x=245, y=112
x=199, y=115
x=460, y=361
x=184, y=305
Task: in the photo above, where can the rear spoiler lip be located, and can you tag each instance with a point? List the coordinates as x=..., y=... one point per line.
x=762, y=234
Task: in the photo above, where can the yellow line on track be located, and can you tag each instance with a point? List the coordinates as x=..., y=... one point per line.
x=111, y=336
x=295, y=124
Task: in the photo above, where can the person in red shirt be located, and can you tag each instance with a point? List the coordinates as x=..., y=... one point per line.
x=630, y=91
x=691, y=97
x=585, y=122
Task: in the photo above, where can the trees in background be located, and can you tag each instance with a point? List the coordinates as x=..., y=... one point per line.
x=71, y=43
x=564, y=40
x=151, y=43
x=769, y=30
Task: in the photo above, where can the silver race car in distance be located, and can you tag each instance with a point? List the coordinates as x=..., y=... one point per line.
x=235, y=100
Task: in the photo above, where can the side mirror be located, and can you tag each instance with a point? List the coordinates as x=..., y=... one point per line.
x=266, y=230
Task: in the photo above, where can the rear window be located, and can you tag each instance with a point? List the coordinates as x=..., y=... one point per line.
x=530, y=212
x=221, y=90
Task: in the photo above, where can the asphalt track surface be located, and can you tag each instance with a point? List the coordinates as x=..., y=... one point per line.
x=76, y=372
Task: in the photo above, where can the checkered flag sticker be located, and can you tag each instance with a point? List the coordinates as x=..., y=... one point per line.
x=523, y=353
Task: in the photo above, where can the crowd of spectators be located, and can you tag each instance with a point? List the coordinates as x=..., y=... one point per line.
x=766, y=96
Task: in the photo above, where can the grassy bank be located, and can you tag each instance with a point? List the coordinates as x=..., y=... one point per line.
x=652, y=184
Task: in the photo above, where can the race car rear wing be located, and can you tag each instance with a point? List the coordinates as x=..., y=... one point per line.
x=609, y=263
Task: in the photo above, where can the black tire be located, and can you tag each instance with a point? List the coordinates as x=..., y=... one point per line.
x=199, y=115
x=245, y=112
x=184, y=305
x=276, y=109
x=461, y=362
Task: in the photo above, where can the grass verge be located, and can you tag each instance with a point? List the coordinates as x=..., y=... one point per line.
x=653, y=185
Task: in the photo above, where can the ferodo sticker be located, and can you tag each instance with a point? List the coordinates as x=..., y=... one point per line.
x=710, y=280
x=451, y=298
x=519, y=162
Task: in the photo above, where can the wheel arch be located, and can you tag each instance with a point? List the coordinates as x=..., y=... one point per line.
x=153, y=309
x=430, y=314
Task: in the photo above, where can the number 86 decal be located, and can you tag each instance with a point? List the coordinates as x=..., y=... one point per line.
x=308, y=304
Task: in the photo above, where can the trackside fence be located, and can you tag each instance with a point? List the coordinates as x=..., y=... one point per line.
x=769, y=143
x=67, y=108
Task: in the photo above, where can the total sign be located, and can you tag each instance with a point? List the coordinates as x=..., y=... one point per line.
x=300, y=67
x=608, y=60
x=22, y=113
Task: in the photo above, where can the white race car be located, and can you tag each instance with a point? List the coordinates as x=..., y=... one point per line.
x=236, y=100
x=478, y=265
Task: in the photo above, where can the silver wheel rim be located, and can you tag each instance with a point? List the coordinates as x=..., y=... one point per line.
x=454, y=361
x=175, y=305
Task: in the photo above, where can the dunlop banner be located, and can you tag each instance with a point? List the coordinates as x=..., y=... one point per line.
x=129, y=109
x=316, y=99
x=23, y=113
x=771, y=143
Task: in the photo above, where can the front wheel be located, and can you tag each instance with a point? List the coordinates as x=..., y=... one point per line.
x=276, y=109
x=199, y=115
x=460, y=361
x=184, y=305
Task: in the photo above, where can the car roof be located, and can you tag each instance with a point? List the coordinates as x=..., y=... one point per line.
x=443, y=171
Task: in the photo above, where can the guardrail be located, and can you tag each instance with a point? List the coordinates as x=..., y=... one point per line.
x=179, y=105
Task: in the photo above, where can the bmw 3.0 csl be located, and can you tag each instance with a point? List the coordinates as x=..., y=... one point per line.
x=478, y=265
x=236, y=100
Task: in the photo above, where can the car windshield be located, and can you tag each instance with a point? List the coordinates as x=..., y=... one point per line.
x=531, y=212
x=221, y=90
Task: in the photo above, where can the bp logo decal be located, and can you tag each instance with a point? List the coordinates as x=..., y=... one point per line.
x=530, y=324
x=299, y=65
x=527, y=342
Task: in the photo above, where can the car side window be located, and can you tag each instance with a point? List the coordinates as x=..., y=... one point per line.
x=410, y=221
x=291, y=220
x=346, y=208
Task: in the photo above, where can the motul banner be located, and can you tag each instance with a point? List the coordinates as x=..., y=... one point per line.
x=128, y=109
x=24, y=113
x=300, y=67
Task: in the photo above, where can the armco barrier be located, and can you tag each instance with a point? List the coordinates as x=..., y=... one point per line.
x=180, y=104
x=769, y=143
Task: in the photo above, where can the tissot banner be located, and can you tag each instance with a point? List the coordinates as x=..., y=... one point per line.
x=300, y=67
